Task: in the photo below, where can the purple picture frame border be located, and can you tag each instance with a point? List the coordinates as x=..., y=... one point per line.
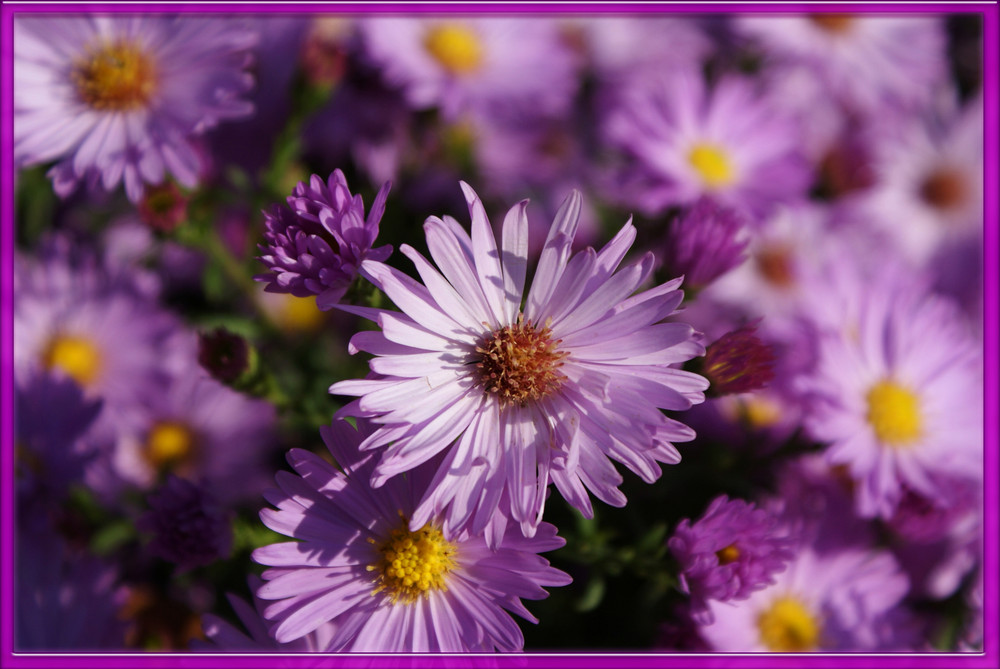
x=990, y=657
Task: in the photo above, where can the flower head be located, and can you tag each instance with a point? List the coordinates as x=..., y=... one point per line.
x=733, y=550
x=687, y=140
x=894, y=389
x=462, y=64
x=122, y=98
x=839, y=600
x=389, y=588
x=315, y=246
x=520, y=387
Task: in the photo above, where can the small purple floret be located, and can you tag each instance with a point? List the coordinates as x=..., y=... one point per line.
x=732, y=551
x=315, y=245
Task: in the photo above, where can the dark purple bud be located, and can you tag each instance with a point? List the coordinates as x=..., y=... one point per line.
x=738, y=362
x=225, y=355
x=163, y=207
x=188, y=526
x=704, y=243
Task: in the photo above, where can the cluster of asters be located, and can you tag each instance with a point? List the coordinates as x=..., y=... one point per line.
x=746, y=289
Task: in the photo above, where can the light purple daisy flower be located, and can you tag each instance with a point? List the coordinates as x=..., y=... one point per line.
x=92, y=324
x=121, y=98
x=390, y=588
x=316, y=244
x=462, y=63
x=839, y=600
x=733, y=550
x=198, y=429
x=519, y=396
x=897, y=389
x=728, y=141
x=928, y=184
x=865, y=61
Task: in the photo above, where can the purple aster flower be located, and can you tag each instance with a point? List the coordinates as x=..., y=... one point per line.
x=733, y=550
x=93, y=325
x=200, y=430
x=928, y=184
x=224, y=637
x=65, y=600
x=867, y=62
x=518, y=397
x=389, y=587
x=315, y=246
x=51, y=454
x=122, y=98
x=897, y=388
x=839, y=600
x=704, y=243
x=738, y=362
x=460, y=63
x=187, y=524
x=729, y=142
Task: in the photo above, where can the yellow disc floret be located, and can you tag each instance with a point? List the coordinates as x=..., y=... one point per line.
x=728, y=555
x=411, y=564
x=787, y=626
x=712, y=165
x=77, y=357
x=894, y=413
x=168, y=444
x=116, y=76
x=455, y=47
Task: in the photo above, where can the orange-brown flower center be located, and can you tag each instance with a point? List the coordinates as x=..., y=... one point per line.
x=775, y=265
x=520, y=363
x=836, y=24
x=944, y=189
x=117, y=76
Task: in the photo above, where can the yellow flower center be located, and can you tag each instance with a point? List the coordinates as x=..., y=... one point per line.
x=728, y=555
x=520, y=363
x=300, y=314
x=411, y=564
x=761, y=412
x=117, y=76
x=894, y=413
x=455, y=47
x=77, y=357
x=168, y=444
x=712, y=165
x=788, y=627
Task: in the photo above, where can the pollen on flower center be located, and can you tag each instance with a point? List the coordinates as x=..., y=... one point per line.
x=75, y=356
x=728, y=555
x=944, y=189
x=520, y=363
x=168, y=444
x=788, y=627
x=712, y=165
x=775, y=264
x=411, y=564
x=455, y=47
x=117, y=76
x=894, y=413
